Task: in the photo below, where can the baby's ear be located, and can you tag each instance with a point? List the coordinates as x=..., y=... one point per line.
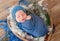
x=28, y=17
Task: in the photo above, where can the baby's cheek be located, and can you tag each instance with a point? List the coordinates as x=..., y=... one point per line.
x=17, y=19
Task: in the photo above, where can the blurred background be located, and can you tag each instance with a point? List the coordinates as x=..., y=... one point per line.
x=48, y=10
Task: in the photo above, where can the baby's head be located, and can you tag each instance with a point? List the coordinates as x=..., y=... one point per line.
x=19, y=14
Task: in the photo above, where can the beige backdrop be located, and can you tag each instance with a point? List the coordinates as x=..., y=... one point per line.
x=4, y=4
x=54, y=10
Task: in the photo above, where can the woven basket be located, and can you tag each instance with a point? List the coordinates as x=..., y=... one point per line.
x=56, y=35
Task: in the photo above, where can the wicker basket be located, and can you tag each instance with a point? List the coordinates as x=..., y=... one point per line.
x=56, y=35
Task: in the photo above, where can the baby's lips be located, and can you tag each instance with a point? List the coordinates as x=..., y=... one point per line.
x=20, y=20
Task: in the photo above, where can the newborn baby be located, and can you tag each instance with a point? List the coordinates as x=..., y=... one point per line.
x=29, y=23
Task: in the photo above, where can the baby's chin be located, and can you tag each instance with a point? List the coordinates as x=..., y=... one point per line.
x=21, y=21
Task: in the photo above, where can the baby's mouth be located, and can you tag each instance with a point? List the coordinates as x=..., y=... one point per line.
x=23, y=20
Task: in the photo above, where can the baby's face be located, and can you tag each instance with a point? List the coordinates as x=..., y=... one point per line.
x=21, y=16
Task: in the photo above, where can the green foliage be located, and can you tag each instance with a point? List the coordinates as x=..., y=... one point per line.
x=37, y=10
x=48, y=19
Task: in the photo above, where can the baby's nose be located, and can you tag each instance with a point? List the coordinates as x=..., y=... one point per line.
x=21, y=16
